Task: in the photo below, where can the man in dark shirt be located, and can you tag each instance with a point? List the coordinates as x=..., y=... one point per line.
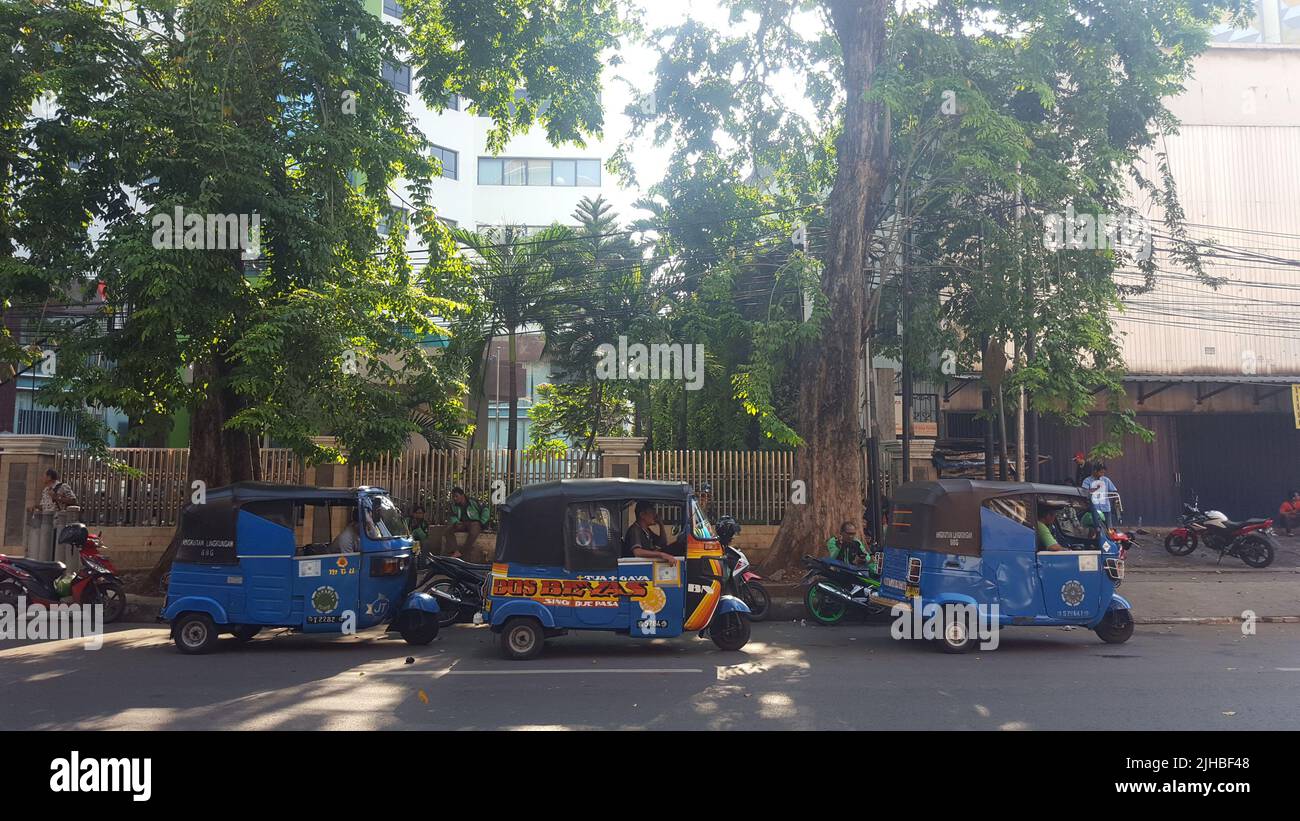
x=641, y=541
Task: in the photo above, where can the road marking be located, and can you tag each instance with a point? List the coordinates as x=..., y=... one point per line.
x=1287, y=669
x=531, y=672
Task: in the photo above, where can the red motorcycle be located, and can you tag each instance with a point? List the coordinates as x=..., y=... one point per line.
x=1250, y=540
x=95, y=582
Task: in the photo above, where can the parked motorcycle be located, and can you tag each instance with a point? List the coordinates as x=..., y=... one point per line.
x=47, y=583
x=458, y=586
x=742, y=581
x=835, y=587
x=1250, y=540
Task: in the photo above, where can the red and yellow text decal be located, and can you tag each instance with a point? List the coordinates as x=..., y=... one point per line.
x=568, y=588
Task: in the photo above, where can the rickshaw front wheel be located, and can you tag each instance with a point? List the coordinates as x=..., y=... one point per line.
x=195, y=633
x=730, y=631
x=522, y=638
x=1116, y=627
x=419, y=627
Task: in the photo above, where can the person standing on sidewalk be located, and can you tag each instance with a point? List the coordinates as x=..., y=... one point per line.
x=1100, y=487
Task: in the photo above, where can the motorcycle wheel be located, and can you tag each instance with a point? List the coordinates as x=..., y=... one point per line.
x=1255, y=551
x=10, y=592
x=730, y=631
x=1180, y=545
x=755, y=596
x=447, y=614
x=113, y=597
x=821, y=607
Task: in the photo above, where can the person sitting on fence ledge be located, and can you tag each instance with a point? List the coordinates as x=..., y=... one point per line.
x=1288, y=514
x=468, y=516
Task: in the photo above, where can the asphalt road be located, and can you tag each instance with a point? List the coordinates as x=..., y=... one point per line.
x=789, y=677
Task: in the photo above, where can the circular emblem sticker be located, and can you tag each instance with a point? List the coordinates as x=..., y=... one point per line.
x=1072, y=592
x=653, y=601
x=325, y=599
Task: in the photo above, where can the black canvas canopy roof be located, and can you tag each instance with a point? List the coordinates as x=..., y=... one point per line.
x=532, y=519
x=944, y=514
x=208, y=530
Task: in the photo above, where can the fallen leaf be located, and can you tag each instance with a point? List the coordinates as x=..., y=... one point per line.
x=423, y=697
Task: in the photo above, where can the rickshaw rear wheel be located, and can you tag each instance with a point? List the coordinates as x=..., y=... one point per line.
x=522, y=638
x=730, y=631
x=1116, y=627
x=195, y=633
x=956, y=638
x=419, y=627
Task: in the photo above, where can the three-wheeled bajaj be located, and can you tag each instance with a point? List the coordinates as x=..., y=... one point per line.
x=562, y=563
x=316, y=560
x=975, y=543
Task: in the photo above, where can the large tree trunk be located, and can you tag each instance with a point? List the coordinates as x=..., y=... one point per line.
x=218, y=456
x=828, y=461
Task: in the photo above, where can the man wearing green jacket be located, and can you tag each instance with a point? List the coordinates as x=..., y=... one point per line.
x=468, y=516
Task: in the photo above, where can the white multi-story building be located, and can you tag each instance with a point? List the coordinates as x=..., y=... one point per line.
x=530, y=183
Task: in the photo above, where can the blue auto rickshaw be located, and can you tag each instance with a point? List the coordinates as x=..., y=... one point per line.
x=315, y=560
x=967, y=542
x=562, y=563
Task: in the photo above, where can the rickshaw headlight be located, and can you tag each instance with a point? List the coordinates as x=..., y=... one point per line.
x=1115, y=569
x=388, y=565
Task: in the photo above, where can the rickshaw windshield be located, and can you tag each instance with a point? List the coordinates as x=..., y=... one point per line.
x=701, y=527
x=386, y=519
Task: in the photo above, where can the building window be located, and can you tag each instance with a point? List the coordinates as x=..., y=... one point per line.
x=455, y=103
x=538, y=172
x=398, y=75
x=394, y=9
x=450, y=161
x=396, y=219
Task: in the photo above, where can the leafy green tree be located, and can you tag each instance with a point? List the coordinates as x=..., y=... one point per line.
x=518, y=275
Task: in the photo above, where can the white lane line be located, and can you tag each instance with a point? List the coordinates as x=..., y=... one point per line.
x=1287, y=669
x=530, y=672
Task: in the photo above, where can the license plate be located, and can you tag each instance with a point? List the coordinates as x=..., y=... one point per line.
x=913, y=591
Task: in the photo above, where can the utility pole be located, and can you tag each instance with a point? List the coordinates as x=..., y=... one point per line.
x=906, y=297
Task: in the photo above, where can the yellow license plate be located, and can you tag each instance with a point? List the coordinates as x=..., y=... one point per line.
x=913, y=591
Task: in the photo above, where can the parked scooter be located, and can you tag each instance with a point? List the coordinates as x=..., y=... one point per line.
x=1250, y=540
x=835, y=587
x=48, y=583
x=458, y=586
x=742, y=581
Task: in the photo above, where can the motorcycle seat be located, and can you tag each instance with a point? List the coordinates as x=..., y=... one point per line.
x=1241, y=524
x=471, y=566
x=38, y=568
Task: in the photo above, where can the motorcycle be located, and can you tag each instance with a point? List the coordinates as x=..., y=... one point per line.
x=458, y=586
x=742, y=581
x=835, y=587
x=47, y=583
x=1250, y=540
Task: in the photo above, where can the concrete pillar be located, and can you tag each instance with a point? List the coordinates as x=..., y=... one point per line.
x=922, y=467
x=24, y=458
x=620, y=456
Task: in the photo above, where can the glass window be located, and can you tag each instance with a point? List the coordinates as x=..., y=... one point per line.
x=591, y=537
x=384, y=520
x=449, y=160
x=398, y=75
x=588, y=172
x=455, y=103
x=563, y=172
x=539, y=172
x=395, y=219
x=489, y=171
x=1016, y=508
x=515, y=173
x=393, y=9
x=702, y=527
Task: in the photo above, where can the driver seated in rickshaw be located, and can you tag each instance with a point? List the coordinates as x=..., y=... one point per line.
x=642, y=542
x=1047, y=513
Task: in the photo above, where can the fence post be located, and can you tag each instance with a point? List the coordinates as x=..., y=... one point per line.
x=620, y=456
x=24, y=459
